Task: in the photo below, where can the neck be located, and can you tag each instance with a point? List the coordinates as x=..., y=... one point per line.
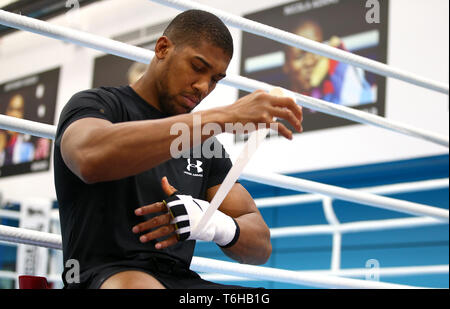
x=146, y=88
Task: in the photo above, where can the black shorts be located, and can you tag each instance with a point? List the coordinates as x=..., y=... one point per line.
x=170, y=274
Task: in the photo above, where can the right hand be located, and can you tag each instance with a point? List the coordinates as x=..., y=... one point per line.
x=260, y=109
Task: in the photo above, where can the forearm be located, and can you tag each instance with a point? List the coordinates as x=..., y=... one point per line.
x=126, y=149
x=253, y=245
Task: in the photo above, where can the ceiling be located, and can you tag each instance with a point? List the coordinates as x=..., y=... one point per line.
x=40, y=9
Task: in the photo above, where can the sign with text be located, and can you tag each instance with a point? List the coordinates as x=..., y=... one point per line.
x=344, y=24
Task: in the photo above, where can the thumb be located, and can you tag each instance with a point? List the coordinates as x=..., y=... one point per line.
x=167, y=188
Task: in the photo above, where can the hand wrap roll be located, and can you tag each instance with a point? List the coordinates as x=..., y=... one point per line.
x=187, y=211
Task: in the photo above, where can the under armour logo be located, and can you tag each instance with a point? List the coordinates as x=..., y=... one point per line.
x=197, y=166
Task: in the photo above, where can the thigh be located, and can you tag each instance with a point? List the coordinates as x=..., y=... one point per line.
x=191, y=280
x=131, y=279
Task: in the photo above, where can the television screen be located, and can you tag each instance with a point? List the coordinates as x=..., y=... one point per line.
x=31, y=98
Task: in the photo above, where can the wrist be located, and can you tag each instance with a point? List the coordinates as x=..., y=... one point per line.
x=227, y=230
x=220, y=116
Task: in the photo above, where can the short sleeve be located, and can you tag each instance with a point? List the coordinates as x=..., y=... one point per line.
x=84, y=104
x=220, y=166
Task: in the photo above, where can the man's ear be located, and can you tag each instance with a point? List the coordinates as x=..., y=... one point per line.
x=163, y=46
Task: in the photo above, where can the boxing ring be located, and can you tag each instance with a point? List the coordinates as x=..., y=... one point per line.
x=426, y=214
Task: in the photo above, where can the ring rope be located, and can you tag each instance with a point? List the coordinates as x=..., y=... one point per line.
x=27, y=127
x=407, y=187
x=354, y=272
x=200, y=264
x=30, y=237
x=78, y=37
x=365, y=198
x=308, y=45
x=292, y=183
x=143, y=55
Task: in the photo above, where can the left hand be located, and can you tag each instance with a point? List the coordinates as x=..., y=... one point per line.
x=162, y=221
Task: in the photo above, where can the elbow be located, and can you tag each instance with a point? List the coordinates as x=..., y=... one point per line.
x=262, y=258
x=87, y=175
x=268, y=252
x=88, y=170
x=265, y=251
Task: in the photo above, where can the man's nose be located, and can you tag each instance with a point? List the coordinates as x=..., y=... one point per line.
x=311, y=59
x=202, y=87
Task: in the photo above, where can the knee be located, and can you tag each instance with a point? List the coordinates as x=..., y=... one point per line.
x=132, y=280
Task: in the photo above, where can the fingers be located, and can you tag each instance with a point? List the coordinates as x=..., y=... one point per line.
x=282, y=107
x=165, y=229
x=167, y=243
x=153, y=208
x=158, y=233
x=288, y=115
x=152, y=223
x=290, y=105
x=167, y=188
x=161, y=232
x=283, y=131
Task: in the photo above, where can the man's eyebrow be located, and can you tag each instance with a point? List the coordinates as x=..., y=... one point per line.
x=207, y=64
x=204, y=61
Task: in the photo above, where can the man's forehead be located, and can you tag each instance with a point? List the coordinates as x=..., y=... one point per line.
x=210, y=55
x=208, y=50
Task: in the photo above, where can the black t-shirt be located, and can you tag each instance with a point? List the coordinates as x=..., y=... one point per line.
x=97, y=219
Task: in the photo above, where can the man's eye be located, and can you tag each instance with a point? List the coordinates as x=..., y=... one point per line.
x=196, y=68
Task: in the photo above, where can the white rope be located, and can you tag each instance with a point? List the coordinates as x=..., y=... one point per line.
x=353, y=272
x=341, y=111
x=297, y=184
x=417, y=186
x=364, y=198
x=143, y=55
x=200, y=264
x=309, y=45
x=30, y=237
x=75, y=36
x=27, y=127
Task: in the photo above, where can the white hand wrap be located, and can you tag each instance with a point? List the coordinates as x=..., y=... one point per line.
x=187, y=212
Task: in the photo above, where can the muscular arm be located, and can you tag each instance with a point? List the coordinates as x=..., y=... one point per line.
x=97, y=151
x=253, y=245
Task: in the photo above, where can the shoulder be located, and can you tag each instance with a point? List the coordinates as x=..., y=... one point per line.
x=103, y=98
x=97, y=102
x=101, y=93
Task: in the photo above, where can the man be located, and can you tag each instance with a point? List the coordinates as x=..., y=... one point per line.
x=324, y=78
x=126, y=206
x=18, y=148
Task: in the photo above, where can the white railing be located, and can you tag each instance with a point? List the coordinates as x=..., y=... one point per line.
x=334, y=228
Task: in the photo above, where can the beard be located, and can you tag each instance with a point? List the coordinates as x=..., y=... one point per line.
x=167, y=104
x=168, y=101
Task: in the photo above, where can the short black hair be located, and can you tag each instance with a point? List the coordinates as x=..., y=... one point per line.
x=192, y=26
